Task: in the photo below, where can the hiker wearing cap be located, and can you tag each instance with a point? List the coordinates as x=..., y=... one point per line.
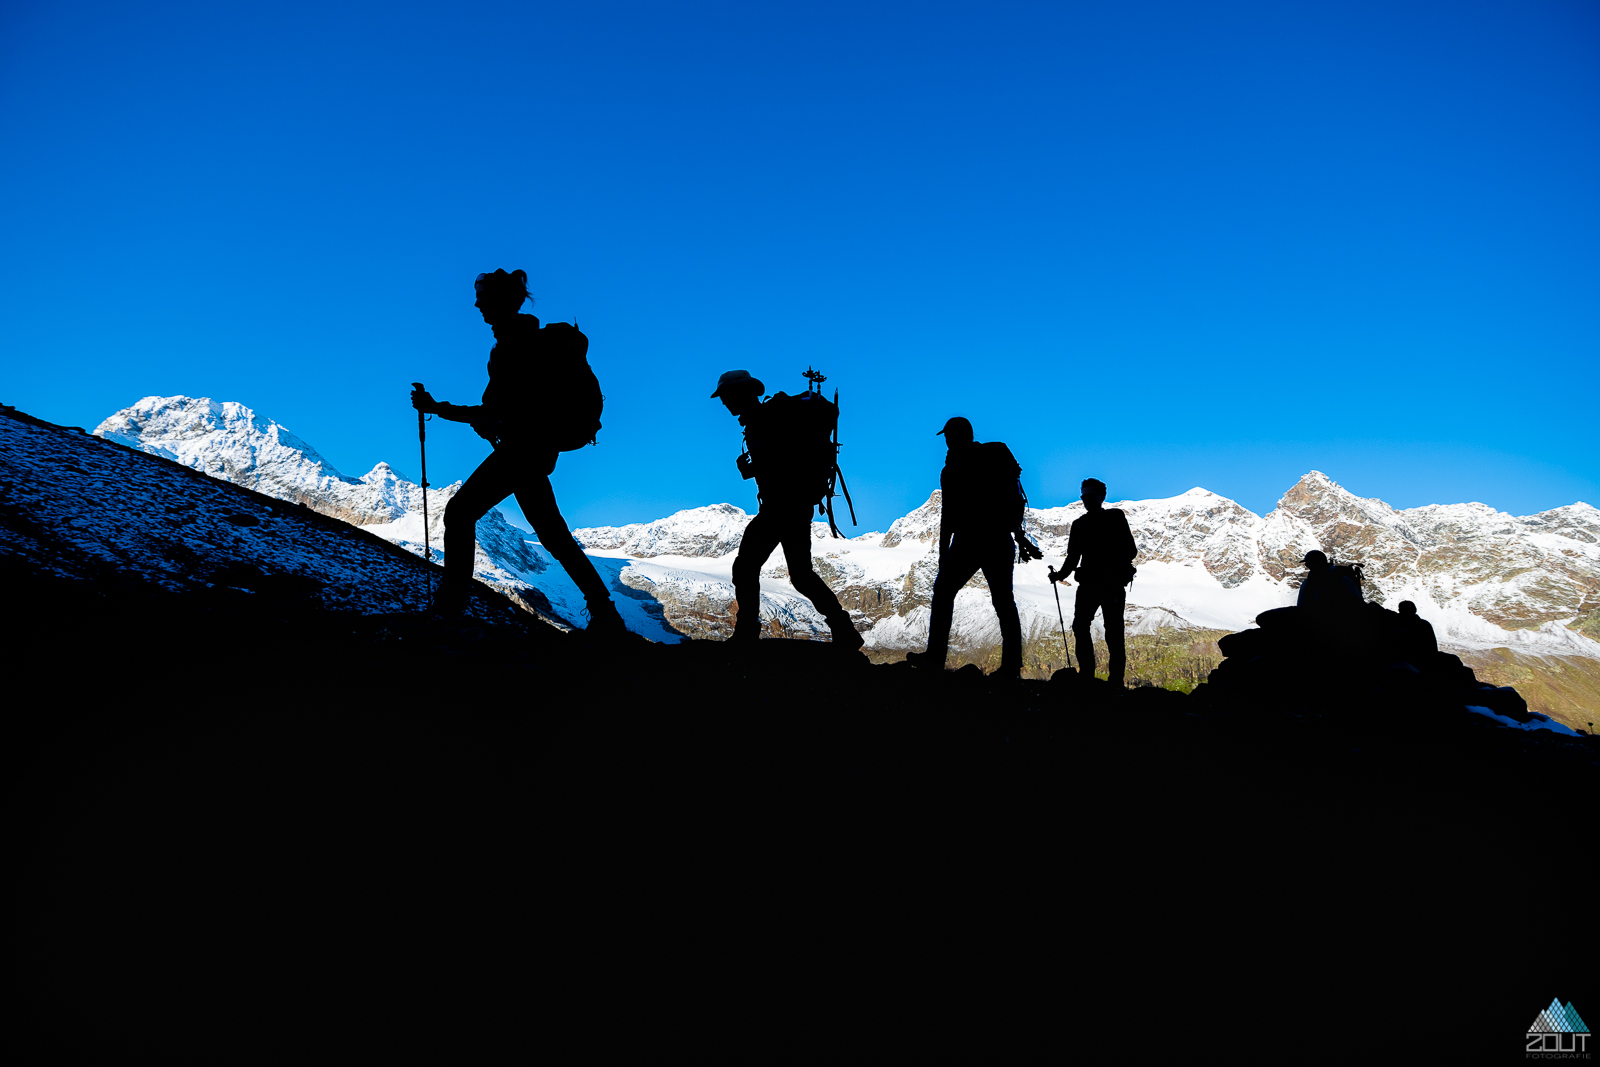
x=1100, y=551
x=1326, y=586
x=981, y=508
x=790, y=480
x=542, y=399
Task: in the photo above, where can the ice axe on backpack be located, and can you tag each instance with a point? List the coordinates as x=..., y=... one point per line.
x=837, y=475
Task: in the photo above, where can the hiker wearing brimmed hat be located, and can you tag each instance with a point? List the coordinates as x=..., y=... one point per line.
x=981, y=508
x=542, y=400
x=791, y=473
x=1100, y=551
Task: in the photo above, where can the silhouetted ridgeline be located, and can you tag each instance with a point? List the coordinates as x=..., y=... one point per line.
x=262, y=786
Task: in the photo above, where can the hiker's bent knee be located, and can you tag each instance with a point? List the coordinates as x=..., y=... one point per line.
x=745, y=570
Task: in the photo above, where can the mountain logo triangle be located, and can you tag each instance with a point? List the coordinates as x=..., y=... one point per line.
x=1558, y=1030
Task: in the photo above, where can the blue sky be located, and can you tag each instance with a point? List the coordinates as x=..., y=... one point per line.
x=1164, y=244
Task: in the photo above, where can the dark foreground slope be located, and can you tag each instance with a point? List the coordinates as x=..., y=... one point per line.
x=251, y=816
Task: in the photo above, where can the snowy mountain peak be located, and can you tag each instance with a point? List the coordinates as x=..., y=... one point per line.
x=920, y=524
x=383, y=474
x=713, y=530
x=226, y=440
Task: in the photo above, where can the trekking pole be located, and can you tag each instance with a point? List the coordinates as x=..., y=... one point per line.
x=1056, y=589
x=422, y=444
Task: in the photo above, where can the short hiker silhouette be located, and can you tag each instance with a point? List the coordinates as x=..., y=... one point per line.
x=1327, y=587
x=542, y=400
x=980, y=528
x=1100, y=552
x=1418, y=643
x=789, y=454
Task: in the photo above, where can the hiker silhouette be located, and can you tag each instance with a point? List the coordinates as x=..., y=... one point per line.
x=1417, y=643
x=980, y=528
x=542, y=399
x=1326, y=587
x=791, y=473
x=1100, y=551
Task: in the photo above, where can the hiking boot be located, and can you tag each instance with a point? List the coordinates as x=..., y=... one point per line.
x=845, y=635
x=925, y=660
x=451, y=598
x=605, y=622
x=1007, y=674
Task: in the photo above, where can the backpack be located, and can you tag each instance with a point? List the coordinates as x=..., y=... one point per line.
x=1344, y=583
x=574, y=420
x=806, y=432
x=1002, y=480
x=801, y=430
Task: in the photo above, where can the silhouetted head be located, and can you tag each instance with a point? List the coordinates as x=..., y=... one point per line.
x=501, y=295
x=1315, y=560
x=957, y=432
x=1407, y=608
x=739, y=391
x=1094, y=493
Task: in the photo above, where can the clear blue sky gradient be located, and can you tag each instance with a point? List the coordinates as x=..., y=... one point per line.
x=1166, y=244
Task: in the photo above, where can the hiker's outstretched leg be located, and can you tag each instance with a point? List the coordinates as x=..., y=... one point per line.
x=955, y=570
x=537, y=499
x=484, y=488
x=761, y=536
x=808, y=583
x=997, y=573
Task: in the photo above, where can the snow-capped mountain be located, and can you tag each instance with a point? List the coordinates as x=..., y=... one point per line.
x=1487, y=580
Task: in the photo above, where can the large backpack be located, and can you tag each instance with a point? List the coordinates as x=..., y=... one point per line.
x=1344, y=583
x=806, y=437
x=803, y=429
x=1002, y=482
x=574, y=418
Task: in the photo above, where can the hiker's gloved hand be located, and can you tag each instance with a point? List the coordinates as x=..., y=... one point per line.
x=1061, y=575
x=423, y=401
x=1025, y=547
x=746, y=465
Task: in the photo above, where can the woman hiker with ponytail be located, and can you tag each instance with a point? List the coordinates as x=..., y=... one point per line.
x=542, y=399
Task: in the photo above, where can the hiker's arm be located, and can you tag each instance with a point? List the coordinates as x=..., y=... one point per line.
x=424, y=402
x=1074, y=554
x=459, y=412
x=1130, y=547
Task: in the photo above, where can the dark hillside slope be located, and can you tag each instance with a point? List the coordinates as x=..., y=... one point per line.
x=255, y=811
